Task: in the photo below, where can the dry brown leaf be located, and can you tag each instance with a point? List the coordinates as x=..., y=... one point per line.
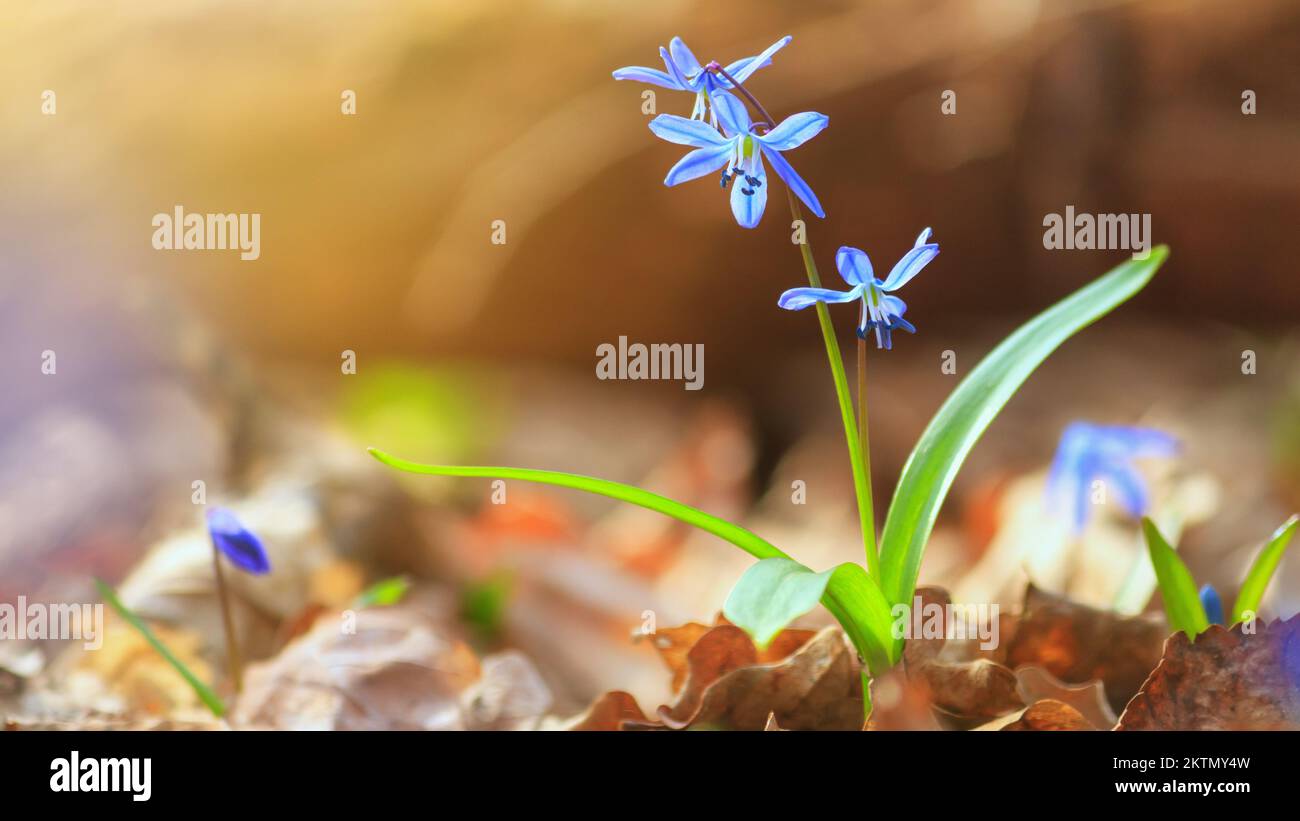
x=673, y=643
x=609, y=712
x=719, y=651
x=1049, y=714
x=1226, y=679
x=1034, y=684
x=817, y=688
x=899, y=702
x=1078, y=644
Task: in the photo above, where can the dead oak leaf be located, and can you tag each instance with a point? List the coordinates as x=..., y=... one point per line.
x=1078, y=644
x=1224, y=679
x=1043, y=715
x=675, y=643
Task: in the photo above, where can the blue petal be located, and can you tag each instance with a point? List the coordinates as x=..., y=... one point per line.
x=731, y=112
x=744, y=67
x=909, y=266
x=893, y=308
x=1137, y=442
x=697, y=163
x=683, y=57
x=1129, y=486
x=648, y=75
x=683, y=131
x=854, y=265
x=800, y=188
x=922, y=238
x=239, y=544
x=1212, y=603
x=748, y=208
x=796, y=299
x=676, y=72
x=795, y=130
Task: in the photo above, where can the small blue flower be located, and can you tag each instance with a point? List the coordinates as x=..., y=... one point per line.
x=239, y=543
x=685, y=73
x=881, y=311
x=1090, y=452
x=1212, y=603
x=741, y=151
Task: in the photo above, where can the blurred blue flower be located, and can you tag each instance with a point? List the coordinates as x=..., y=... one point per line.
x=239, y=543
x=685, y=73
x=1212, y=603
x=741, y=151
x=1090, y=452
x=881, y=311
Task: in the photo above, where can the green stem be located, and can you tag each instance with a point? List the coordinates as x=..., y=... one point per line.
x=857, y=451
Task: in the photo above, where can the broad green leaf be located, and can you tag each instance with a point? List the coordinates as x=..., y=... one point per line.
x=850, y=595
x=1256, y=581
x=204, y=692
x=957, y=426
x=383, y=593
x=1177, y=587
x=771, y=594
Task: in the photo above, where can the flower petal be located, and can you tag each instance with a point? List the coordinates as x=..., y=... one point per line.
x=683, y=131
x=697, y=163
x=854, y=265
x=748, y=208
x=796, y=299
x=800, y=188
x=237, y=542
x=653, y=76
x=683, y=57
x=795, y=130
x=909, y=266
x=922, y=238
x=744, y=67
x=675, y=72
x=731, y=112
x=1212, y=603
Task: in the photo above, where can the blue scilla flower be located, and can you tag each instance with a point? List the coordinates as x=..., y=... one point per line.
x=685, y=73
x=239, y=543
x=739, y=151
x=881, y=311
x=1212, y=603
x=1088, y=453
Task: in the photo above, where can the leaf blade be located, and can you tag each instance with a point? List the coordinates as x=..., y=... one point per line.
x=1261, y=571
x=205, y=693
x=957, y=426
x=1177, y=587
x=771, y=594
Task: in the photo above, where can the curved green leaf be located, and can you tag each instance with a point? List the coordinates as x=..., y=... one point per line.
x=1177, y=587
x=850, y=594
x=957, y=426
x=771, y=594
x=1261, y=572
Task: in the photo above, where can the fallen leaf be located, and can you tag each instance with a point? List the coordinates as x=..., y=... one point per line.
x=609, y=712
x=1078, y=644
x=1224, y=679
x=900, y=702
x=1048, y=714
x=1034, y=684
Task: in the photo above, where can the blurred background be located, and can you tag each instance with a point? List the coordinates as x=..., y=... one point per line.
x=183, y=367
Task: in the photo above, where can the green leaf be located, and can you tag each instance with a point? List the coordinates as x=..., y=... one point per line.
x=1256, y=581
x=771, y=594
x=383, y=593
x=202, y=690
x=957, y=426
x=851, y=595
x=1177, y=587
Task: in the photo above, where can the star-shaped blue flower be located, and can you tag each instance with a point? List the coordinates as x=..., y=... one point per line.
x=239, y=543
x=881, y=311
x=1090, y=452
x=741, y=151
x=685, y=73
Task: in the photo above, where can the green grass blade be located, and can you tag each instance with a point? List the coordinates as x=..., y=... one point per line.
x=961, y=421
x=851, y=595
x=204, y=692
x=737, y=535
x=1261, y=572
x=383, y=593
x=1177, y=587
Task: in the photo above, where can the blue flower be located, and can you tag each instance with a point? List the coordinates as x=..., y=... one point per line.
x=239, y=543
x=741, y=151
x=1212, y=603
x=685, y=73
x=881, y=311
x=1090, y=452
